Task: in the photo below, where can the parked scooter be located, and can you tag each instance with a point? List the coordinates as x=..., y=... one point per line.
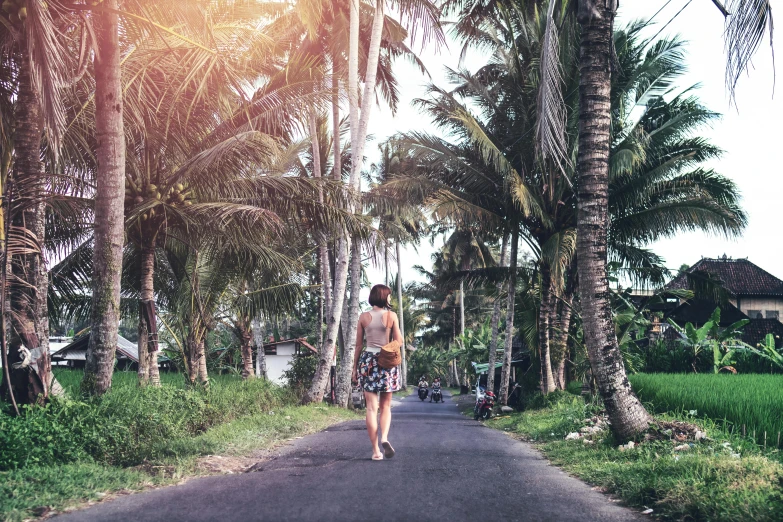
x=484, y=406
x=423, y=392
x=437, y=395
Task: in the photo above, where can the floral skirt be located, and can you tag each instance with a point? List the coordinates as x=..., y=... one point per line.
x=375, y=379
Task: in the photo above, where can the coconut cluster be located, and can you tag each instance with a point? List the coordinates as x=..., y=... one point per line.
x=16, y=11
x=175, y=195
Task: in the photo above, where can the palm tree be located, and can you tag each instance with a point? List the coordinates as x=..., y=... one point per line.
x=37, y=68
x=109, y=203
x=746, y=27
x=457, y=174
x=417, y=12
x=627, y=415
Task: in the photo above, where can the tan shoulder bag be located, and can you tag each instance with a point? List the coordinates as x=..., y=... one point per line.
x=390, y=355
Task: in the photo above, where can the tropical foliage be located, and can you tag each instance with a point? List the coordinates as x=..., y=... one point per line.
x=196, y=168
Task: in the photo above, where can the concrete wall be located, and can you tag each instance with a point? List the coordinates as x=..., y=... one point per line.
x=759, y=303
x=276, y=365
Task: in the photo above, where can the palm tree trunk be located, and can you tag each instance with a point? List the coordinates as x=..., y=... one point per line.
x=544, y=330
x=326, y=353
x=462, y=307
x=192, y=354
x=560, y=342
x=27, y=301
x=512, y=287
x=353, y=84
x=323, y=254
x=400, y=313
x=351, y=324
x=43, y=361
x=627, y=415
x=147, y=295
x=337, y=160
x=109, y=204
x=246, y=347
x=258, y=339
x=495, y=324
x=560, y=338
x=386, y=264
x=203, y=377
x=455, y=373
x=315, y=393
x=362, y=121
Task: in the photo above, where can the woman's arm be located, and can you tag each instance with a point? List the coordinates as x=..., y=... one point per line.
x=359, y=342
x=396, y=333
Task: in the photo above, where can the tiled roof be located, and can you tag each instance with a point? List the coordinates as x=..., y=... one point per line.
x=757, y=329
x=699, y=311
x=739, y=276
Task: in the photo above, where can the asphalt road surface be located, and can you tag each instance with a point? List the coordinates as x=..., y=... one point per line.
x=447, y=467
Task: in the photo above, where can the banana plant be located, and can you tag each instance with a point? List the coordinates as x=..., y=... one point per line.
x=723, y=343
x=766, y=350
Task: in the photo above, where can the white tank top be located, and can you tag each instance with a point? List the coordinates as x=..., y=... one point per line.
x=375, y=332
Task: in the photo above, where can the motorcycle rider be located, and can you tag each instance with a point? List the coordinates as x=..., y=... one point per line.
x=435, y=386
x=423, y=388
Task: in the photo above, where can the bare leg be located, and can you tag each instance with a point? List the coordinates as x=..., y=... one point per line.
x=371, y=420
x=385, y=406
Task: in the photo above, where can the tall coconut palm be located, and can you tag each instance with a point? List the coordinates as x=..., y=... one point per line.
x=37, y=69
x=109, y=203
x=418, y=12
x=626, y=412
x=643, y=87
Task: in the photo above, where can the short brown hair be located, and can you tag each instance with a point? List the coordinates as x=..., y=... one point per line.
x=379, y=296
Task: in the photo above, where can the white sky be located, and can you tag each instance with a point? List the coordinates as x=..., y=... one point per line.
x=748, y=133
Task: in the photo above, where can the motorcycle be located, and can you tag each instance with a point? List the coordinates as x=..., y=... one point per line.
x=437, y=396
x=484, y=406
x=423, y=392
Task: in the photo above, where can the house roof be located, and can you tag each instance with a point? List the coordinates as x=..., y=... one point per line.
x=699, y=311
x=738, y=276
x=757, y=329
x=77, y=350
x=300, y=340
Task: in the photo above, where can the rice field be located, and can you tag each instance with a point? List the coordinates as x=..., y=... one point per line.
x=752, y=401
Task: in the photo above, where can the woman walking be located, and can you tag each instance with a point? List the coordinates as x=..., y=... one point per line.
x=376, y=328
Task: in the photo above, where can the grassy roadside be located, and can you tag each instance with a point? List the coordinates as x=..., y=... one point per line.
x=41, y=490
x=134, y=439
x=721, y=478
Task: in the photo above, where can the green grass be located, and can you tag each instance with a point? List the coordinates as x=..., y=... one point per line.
x=33, y=491
x=752, y=400
x=76, y=450
x=708, y=482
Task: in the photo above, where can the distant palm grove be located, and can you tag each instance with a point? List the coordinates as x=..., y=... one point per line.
x=198, y=177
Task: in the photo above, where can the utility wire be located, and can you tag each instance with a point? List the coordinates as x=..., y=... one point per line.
x=659, y=11
x=671, y=20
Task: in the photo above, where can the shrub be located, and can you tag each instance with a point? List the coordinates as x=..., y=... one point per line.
x=300, y=374
x=127, y=425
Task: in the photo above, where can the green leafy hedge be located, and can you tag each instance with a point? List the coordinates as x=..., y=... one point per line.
x=129, y=424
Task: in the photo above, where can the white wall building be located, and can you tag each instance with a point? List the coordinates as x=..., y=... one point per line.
x=280, y=353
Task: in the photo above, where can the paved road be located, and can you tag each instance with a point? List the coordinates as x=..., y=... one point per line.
x=447, y=467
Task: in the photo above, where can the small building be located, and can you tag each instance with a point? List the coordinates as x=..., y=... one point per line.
x=752, y=290
x=279, y=354
x=74, y=355
x=752, y=293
